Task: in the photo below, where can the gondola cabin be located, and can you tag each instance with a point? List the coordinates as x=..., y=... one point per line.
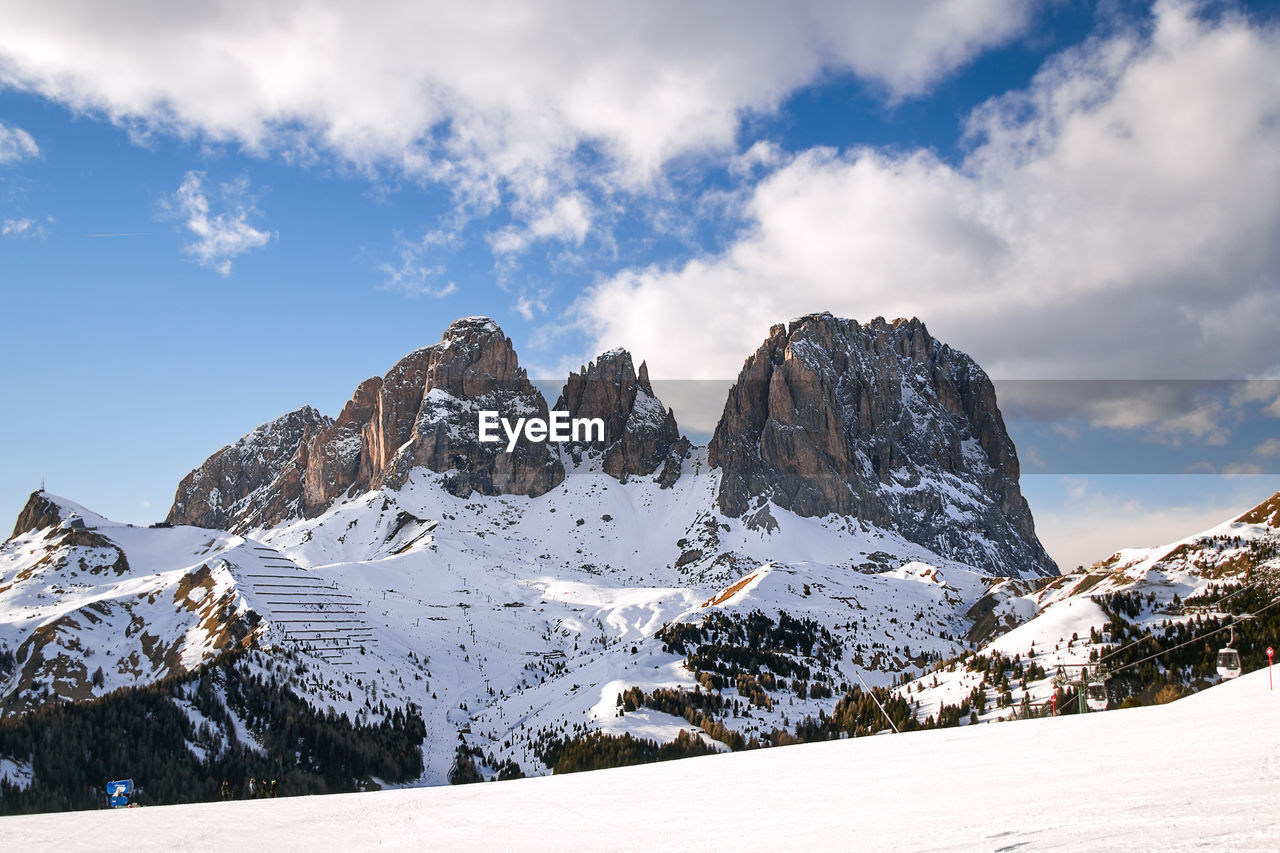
x=1229, y=663
x=1096, y=696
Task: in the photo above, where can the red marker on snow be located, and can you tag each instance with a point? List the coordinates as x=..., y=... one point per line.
x=1270, y=680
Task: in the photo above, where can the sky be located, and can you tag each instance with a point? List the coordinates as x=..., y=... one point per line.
x=212, y=214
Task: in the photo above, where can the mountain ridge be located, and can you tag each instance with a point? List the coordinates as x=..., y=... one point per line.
x=881, y=423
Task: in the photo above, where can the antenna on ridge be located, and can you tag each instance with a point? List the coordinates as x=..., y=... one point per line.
x=42, y=484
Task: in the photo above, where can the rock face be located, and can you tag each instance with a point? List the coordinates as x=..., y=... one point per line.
x=640, y=434
x=884, y=423
x=334, y=460
x=475, y=369
x=878, y=422
x=423, y=412
x=255, y=482
x=38, y=514
x=391, y=424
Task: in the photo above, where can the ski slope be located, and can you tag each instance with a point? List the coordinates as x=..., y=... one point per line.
x=1202, y=773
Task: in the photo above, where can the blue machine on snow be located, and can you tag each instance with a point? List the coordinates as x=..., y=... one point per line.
x=118, y=793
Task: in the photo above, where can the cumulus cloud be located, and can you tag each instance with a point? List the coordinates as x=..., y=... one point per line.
x=222, y=236
x=491, y=96
x=1118, y=218
x=567, y=219
x=16, y=144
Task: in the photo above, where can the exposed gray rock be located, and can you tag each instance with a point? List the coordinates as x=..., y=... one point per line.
x=258, y=481
x=473, y=369
x=884, y=423
x=640, y=434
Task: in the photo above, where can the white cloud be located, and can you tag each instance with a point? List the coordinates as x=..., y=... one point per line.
x=17, y=227
x=23, y=227
x=1119, y=218
x=568, y=219
x=16, y=144
x=1241, y=469
x=1270, y=447
x=531, y=302
x=490, y=96
x=220, y=237
x=1167, y=411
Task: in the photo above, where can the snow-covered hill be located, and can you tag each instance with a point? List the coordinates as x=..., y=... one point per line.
x=1197, y=774
x=507, y=619
x=1130, y=606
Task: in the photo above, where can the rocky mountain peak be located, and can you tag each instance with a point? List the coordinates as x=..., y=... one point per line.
x=39, y=513
x=884, y=423
x=256, y=481
x=422, y=412
x=475, y=358
x=640, y=433
x=475, y=368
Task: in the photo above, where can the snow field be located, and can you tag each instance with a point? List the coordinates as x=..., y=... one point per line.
x=1198, y=774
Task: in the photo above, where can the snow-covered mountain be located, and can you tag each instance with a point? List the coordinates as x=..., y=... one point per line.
x=634, y=586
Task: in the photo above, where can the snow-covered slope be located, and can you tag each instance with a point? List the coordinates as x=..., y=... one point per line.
x=507, y=619
x=1198, y=774
x=515, y=621
x=1062, y=626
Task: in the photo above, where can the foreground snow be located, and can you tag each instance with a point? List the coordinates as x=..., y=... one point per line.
x=1201, y=773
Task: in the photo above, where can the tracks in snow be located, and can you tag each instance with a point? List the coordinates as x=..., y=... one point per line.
x=310, y=614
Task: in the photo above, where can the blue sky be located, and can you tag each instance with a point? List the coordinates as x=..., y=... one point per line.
x=210, y=218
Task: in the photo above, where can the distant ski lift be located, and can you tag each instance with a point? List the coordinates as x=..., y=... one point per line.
x=1229, y=659
x=1096, y=696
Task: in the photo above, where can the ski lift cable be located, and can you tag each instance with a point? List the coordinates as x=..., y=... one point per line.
x=1149, y=633
x=1235, y=621
x=1197, y=639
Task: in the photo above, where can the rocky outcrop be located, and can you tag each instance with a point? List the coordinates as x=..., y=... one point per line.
x=640, y=434
x=391, y=425
x=422, y=413
x=334, y=460
x=1266, y=513
x=39, y=513
x=879, y=422
x=255, y=482
x=473, y=369
x=884, y=423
